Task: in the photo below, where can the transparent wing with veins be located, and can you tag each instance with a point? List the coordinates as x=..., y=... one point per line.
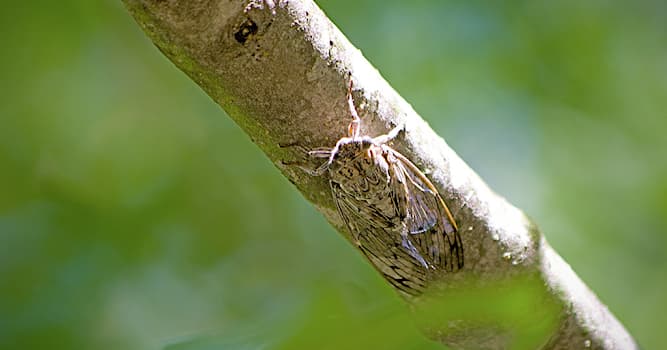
x=382, y=246
x=432, y=229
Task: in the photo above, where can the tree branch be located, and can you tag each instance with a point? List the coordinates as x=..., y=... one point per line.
x=280, y=71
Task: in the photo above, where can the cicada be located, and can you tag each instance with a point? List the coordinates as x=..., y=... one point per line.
x=395, y=215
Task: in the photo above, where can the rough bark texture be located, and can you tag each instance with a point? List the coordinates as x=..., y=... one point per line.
x=280, y=71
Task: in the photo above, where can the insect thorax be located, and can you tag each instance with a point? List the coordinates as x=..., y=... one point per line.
x=357, y=159
x=361, y=170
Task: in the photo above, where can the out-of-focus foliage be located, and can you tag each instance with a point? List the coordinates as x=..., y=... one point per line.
x=135, y=215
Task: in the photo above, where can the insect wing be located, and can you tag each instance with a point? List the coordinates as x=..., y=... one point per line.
x=428, y=219
x=379, y=244
x=421, y=203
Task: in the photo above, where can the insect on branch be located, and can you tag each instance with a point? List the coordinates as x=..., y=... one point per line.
x=396, y=216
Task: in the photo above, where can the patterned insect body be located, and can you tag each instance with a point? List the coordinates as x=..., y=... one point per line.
x=394, y=213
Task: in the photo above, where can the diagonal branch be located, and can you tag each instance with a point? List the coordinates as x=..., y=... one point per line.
x=280, y=71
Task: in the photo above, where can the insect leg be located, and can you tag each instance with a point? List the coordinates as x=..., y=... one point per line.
x=382, y=139
x=315, y=172
x=320, y=153
x=353, y=128
x=321, y=169
x=310, y=171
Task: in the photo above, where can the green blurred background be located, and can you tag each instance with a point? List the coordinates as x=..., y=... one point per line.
x=135, y=215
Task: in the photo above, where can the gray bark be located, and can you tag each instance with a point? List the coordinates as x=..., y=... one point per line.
x=280, y=70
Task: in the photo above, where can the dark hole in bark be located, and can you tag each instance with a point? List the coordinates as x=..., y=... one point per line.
x=247, y=29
